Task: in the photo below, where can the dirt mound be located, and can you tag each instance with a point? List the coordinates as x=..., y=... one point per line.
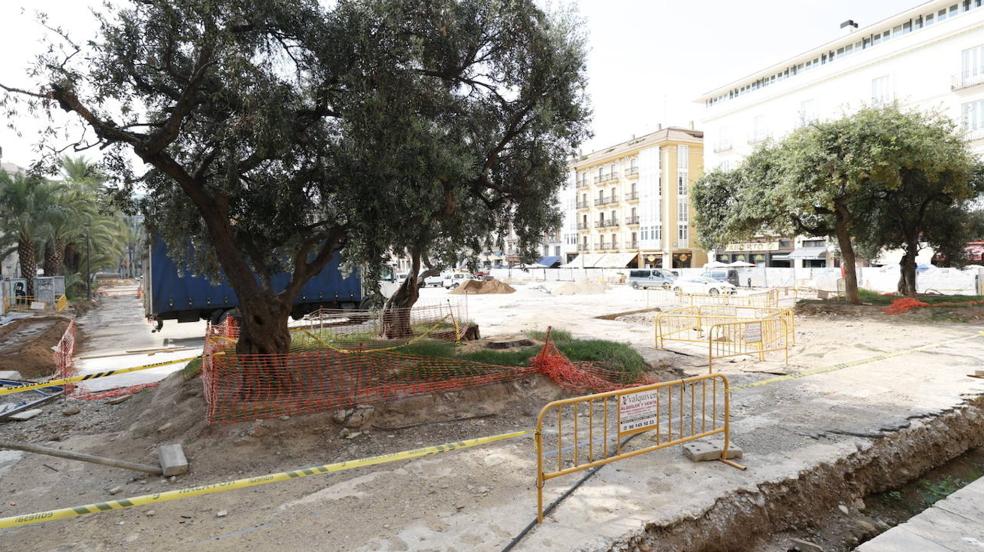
x=475, y=287
x=25, y=345
x=580, y=288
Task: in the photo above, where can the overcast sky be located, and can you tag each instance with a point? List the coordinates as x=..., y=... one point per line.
x=648, y=59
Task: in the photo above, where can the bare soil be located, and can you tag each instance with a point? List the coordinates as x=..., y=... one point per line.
x=933, y=313
x=26, y=345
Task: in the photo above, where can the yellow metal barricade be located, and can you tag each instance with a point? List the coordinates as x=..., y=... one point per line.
x=692, y=324
x=673, y=412
x=747, y=337
x=61, y=304
x=20, y=303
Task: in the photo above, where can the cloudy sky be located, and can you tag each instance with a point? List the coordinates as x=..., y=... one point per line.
x=648, y=59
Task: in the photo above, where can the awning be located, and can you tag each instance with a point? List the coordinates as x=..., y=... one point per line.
x=780, y=257
x=616, y=260
x=550, y=262
x=586, y=260
x=809, y=253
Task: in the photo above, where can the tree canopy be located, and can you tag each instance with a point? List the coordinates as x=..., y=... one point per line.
x=274, y=133
x=882, y=177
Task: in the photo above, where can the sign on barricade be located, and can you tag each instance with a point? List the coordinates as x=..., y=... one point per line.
x=674, y=412
x=748, y=337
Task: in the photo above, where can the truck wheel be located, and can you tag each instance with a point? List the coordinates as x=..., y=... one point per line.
x=713, y=291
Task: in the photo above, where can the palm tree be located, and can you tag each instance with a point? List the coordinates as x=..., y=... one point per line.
x=26, y=203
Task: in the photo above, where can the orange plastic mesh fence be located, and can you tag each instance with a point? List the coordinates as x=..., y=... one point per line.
x=64, y=352
x=254, y=386
x=581, y=376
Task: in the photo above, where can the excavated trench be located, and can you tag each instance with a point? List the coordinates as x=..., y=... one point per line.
x=836, y=505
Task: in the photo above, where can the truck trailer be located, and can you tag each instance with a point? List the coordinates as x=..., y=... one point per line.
x=170, y=294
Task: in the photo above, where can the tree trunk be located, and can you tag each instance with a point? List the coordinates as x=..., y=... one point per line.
x=53, y=251
x=263, y=325
x=907, y=266
x=27, y=255
x=842, y=220
x=396, y=312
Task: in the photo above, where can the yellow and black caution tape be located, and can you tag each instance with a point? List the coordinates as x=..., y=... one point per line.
x=94, y=375
x=214, y=488
x=853, y=363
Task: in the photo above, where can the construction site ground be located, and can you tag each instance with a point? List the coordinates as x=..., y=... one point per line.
x=840, y=398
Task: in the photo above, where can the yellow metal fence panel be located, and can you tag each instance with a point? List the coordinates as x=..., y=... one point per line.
x=748, y=337
x=581, y=433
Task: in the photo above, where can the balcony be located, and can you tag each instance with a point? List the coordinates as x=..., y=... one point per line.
x=581, y=184
x=631, y=172
x=961, y=81
x=601, y=246
x=632, y=220
x=583, y=248
x=582, y=205
x=605, y=201
x=634, y=245
x=606, y=178
x=607, y=223
x=582, y=226
x=632, y=196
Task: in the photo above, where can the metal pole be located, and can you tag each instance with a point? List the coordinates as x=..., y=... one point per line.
x=88, y=268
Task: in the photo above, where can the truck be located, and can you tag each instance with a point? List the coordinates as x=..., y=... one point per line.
x=170, y=294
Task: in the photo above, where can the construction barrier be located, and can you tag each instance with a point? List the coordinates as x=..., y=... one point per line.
x=673, y=412
x=64, y=352
x=18, y=303
x=215, y=488
x=747, y=338
x=667, y=297
x=61, y=303
x=692, y=324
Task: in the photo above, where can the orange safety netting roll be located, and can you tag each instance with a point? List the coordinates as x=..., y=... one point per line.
x=581, y=376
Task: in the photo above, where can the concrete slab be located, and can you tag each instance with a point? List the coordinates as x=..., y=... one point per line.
x=955, y=524
x=10, y=375
x=173, y=461
x=706, y=451
x=25, y=415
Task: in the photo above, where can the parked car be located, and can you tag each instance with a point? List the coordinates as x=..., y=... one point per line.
x=455, y=279
x=436, y=280
x=645, y=278
x=703, y=285
x=728, y=275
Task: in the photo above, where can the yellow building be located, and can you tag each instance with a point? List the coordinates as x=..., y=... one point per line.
x=633, y=202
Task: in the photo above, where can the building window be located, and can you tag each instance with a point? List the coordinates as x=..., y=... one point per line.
x=683, y=233
x=881, y=90
x=760, y=129
x=808, y=112
x=683, y=211
x=972, y=65
x=972, y=116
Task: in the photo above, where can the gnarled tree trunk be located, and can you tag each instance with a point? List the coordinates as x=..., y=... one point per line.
x=842, y=219
x=396, y=312
x=907, y=266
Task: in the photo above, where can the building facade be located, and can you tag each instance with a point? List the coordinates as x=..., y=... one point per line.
x=930, y=57
x=632, y=206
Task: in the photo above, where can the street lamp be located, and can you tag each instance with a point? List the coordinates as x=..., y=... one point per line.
x=88, y=266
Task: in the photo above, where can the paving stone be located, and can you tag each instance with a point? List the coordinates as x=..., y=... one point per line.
x=705, y=450
x=173, y=461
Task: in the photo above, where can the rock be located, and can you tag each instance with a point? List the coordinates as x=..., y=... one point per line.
x=353, y=418
x=71, y=411
x=118, y=400
x=353, y=435
x=149, y=513
x=164, y=428
x=867, y=527
x=843, y=509
x=24, y=415
x=807, y=546
x=284, y=418
x=221, y=514
x=173, y=460
x=115, y=490
x=705, y=450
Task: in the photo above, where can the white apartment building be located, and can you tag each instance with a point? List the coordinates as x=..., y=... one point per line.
x=930, y=57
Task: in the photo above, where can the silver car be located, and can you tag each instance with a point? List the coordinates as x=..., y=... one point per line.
x=645, y=278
